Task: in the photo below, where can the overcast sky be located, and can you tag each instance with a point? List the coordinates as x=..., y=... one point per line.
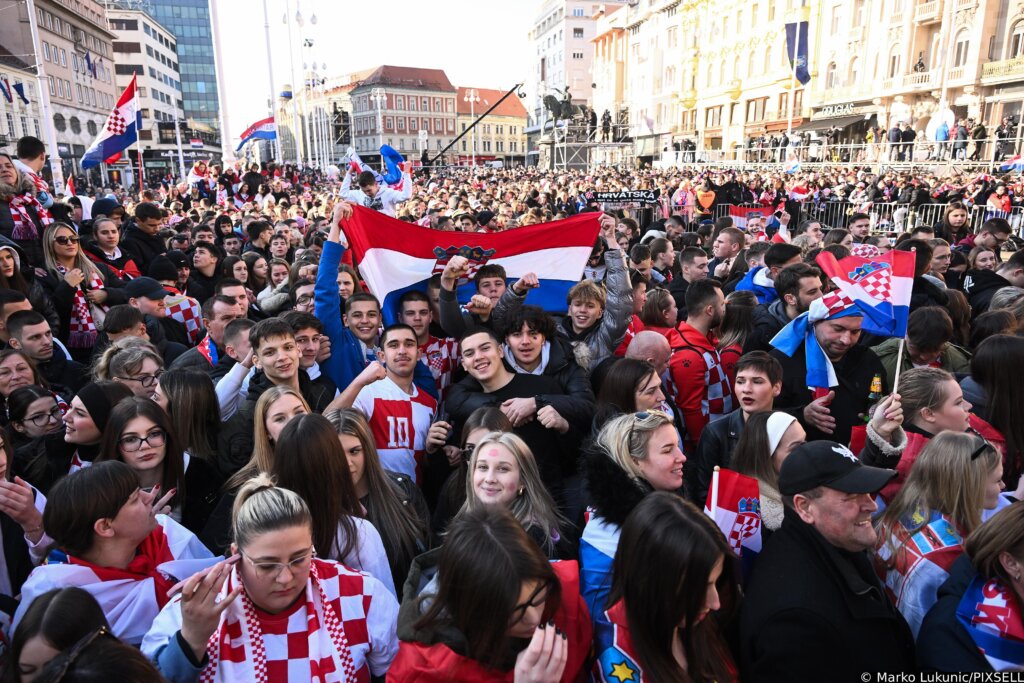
x=478, y=43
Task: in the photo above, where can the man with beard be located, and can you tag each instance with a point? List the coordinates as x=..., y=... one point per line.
x=797, y=286
x=703, y=389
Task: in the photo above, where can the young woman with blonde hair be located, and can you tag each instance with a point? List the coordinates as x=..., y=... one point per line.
x=503, y=472
x=921, y=532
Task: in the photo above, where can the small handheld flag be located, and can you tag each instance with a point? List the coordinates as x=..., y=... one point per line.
x=881, y=286
x=734, y=503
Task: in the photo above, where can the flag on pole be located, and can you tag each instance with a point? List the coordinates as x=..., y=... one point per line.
x=20, y=89
x=119, y=132
x=796, y=49
x=69, y=188
x=881, y=287
x=264, y=129
x=395, y=257
x=5, y=87
x=196, y=143
x=734, y=502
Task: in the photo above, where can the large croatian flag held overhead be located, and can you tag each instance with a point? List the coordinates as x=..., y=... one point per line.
x=119, y=132
x=264, y=129
x=881, y=286
x=395, y=257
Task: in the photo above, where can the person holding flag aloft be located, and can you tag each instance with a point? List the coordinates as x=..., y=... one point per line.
x=827, y=376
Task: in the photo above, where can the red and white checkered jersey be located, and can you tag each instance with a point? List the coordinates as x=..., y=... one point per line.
x=442, y=357
x=186, y=311
x=399, y=422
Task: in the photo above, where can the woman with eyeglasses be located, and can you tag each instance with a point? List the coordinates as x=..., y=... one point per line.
x=133, y=362
x=140, y=434
x=633, y=455
x=82, y=291
x=489, y=606
x=49, y=457
x=109, y=540
x=53, y=623
x=391, y=501
x=503, y=472
x=275, y=611
x=316, y=469
x=479, y=424
x=956, y=477
x=33, y=411
x=666, y=625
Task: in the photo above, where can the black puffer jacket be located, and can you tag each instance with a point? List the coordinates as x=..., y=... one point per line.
x=980, y=286
x=768, y=319
x=142, y=246
x=610, y=491
x=576, y=404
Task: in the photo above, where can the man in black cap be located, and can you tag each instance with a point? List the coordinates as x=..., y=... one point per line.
x=485, y=222
x=166, y=334
x=814, y=608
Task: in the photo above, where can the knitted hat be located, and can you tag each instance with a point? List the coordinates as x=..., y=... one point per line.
x=162, y=268
x=99, y=398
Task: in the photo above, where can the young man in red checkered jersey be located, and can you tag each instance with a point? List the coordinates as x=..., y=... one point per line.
x=440, y=354
x=401, y=416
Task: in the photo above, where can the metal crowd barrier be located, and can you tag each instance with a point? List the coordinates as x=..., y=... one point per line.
x=886, y=217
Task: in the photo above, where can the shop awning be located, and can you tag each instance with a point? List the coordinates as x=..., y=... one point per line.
x=838, y=121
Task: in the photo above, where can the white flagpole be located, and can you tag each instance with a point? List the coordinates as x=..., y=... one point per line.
x=138, y=133
x=713, y=508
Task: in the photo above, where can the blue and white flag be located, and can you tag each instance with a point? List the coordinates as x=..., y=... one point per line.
x=119, y=132
x=796, y=49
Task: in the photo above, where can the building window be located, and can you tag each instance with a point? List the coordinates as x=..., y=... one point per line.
x=389, y=123
x=577, y=33
x=63, y=57
x=854, y=69
x=399, y=101
x=577, y=55
x=46, y=51
x=75, y=125
x=401, y=123
x=713, y=117
x=577, y=12
x=960, y=49
x=1016, y=41
x=78, y=87
x=830, y=76
x=91, y=127
x=53, y=88
x=756, y=109
x=59, y=123
x=894, y=62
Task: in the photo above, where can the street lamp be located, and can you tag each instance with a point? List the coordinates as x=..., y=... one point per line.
x=380, y=98
x=472, y=96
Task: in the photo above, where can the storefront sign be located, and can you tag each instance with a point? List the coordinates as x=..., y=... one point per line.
x=833, y=110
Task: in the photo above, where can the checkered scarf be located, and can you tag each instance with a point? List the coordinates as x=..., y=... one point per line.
x=24, y=226
x=82, y=330
x=325, y=639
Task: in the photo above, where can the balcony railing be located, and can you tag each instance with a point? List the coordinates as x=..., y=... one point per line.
x=927, y=11
x=956, y=73
x=922, y=79
x=1005, y=69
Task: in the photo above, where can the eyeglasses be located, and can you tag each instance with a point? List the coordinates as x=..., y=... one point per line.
x=130, y=444
x=985, y=445
x=55, y=414
x=147, y=381
x=271, y=570
x=64, y=240
x=77, y=650
x=637, y=417
x=304, y=300
x=467, y=451
x=539, y=597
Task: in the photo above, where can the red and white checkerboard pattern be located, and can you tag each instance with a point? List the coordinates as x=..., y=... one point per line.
x=745, y=526
x=188, y=312
x=116, y=123
x=441, y=356
x=877, y=284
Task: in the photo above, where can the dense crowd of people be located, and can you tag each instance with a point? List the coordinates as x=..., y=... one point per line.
x=219, y=463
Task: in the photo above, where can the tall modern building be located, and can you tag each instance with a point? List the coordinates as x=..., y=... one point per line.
x=189, y=21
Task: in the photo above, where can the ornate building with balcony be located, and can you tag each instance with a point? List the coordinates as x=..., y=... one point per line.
x=881, y=63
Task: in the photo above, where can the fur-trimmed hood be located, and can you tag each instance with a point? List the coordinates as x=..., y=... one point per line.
x=24, y=185
x=613, y=494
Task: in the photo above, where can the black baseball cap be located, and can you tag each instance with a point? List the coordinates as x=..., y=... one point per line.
x=145, y=287
x=830, y=464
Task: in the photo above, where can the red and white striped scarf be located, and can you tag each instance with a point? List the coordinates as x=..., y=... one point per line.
x=24, y=226
x=237, y=652
x=82, y=330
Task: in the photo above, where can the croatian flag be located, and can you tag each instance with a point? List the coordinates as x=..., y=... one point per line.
x=1015, y=163
x=119, y=132
x=740, y=214
x=881, y=286
x=734, y=502
x=264, y=129
x=196, y=143
x=69, y=187
x=395, y=257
